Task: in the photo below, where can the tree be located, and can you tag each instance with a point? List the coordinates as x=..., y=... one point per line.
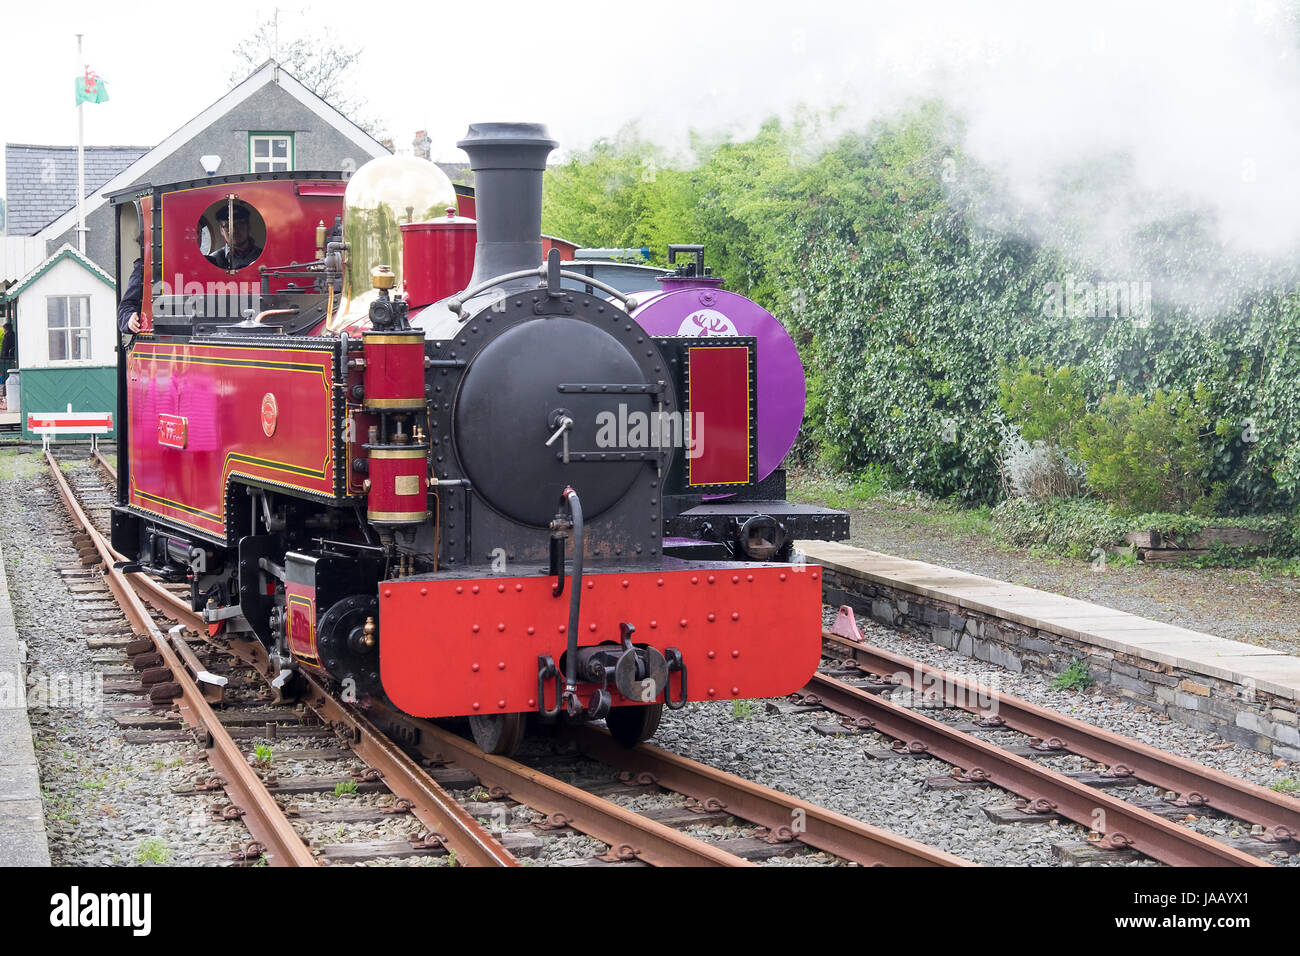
x=317, y=58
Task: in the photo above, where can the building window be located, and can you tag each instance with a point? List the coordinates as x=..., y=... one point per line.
x=69, y=327
x=270, y=152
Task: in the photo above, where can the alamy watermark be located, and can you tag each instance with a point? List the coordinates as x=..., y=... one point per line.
x=83, y=691
x=641, y=429
x=177, y=298
x=1078, y=299
x=74, y=909
x=933, y=689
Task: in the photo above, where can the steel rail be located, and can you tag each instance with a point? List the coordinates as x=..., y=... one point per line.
x=645, y=839
x=786, y=817
x=1121, y=824
x=444, y=817
x=654, y=843
x=629, y=835
x=97, y=458
x=1196, y=785
x=262, y=815
x=431, y=804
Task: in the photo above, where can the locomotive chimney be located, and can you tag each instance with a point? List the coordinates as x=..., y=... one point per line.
x=508, y=160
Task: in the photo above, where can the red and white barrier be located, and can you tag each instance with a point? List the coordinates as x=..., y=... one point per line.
x=53, y=424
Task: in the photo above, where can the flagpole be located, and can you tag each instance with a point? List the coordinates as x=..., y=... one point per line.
x=81, y=163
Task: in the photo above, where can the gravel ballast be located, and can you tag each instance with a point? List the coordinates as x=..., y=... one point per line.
x=107, y=802
x=112, y=803
x=788, y=754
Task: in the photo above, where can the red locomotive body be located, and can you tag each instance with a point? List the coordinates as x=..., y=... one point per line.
x=474, y=643
x=463, y=510
x=261, y=412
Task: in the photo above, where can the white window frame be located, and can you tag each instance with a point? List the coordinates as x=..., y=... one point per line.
x=273, y=164
x=80, y=333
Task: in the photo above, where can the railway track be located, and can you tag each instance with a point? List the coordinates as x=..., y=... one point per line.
x=713, y=795
x=782, y=820
x=103, y=464
x=173, y=672
x=867, y=673
x=782, y=824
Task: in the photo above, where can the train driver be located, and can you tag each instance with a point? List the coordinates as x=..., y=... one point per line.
x=237, y=238
x=128, y=310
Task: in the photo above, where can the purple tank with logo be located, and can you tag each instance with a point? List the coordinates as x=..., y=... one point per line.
x=701, y=307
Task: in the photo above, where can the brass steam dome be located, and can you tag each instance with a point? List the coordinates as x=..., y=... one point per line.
x=381, y=196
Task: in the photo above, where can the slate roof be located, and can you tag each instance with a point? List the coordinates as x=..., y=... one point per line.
x=41, y=181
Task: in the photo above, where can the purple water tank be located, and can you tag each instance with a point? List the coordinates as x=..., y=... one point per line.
x=701, y=307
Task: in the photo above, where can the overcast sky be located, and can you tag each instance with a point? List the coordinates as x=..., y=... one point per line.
x=1204, y=95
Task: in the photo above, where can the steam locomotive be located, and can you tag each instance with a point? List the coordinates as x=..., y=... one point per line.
x=408, y=454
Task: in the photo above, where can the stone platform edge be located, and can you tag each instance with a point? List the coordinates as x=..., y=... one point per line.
x=22, y=813
x=1246, y=694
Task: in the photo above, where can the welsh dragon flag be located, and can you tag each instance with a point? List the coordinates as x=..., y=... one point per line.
x=91, y=88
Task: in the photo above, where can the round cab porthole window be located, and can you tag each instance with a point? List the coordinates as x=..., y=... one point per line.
x=231, y=234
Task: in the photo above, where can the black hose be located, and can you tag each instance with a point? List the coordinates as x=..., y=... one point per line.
x=570, y=498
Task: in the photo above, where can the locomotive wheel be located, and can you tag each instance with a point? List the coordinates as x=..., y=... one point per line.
x=631, y=725
x=498, y=733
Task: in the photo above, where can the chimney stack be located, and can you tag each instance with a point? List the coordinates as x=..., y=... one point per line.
x=508, y=160
x=422, y=143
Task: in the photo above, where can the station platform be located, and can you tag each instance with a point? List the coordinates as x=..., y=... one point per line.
x=22, y=816
x=1245, y=693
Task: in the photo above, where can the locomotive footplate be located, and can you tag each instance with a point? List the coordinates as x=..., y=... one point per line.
x=461, y=643
x=725, y=522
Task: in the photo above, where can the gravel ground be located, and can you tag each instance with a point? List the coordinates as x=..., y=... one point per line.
x=106, y=802
x=1236, y=603
x=111, y=803
x=786, y=753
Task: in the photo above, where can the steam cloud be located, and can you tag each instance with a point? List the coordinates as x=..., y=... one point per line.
x=1194, y=102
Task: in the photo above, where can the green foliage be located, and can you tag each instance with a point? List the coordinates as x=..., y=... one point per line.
x=1139, y=454
x=1070, y=526
x=1074, y=677
x=742, y=709
x=1286, y=785
x=1147, y=455
x=841, y=491
x=1046, y=404
x=1078, y=527
x=923, y=312
x=152, y=850
x=263, y=753
x=345, y=788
